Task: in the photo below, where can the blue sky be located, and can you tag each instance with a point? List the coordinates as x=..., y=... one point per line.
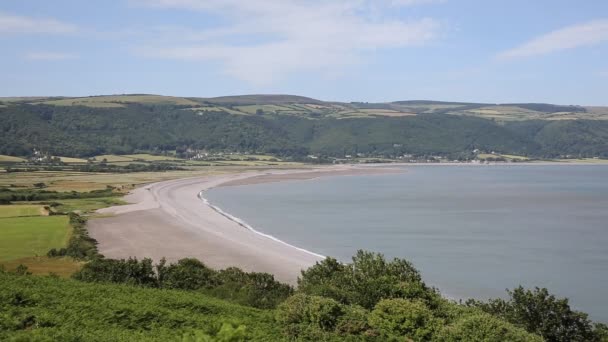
x=345, y=50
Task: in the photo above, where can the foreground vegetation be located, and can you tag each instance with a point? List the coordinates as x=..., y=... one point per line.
x=370, y=299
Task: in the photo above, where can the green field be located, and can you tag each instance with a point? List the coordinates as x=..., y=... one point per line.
x=43, y=265
x=149, y=157
x=69, y=160
x=117, y=101
x=20, y=210
x=88, y=205
x=22, y=237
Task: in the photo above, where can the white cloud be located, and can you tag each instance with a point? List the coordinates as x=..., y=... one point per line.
x=49, y=56
x=265, y=40
x=586, y=34
x=14, y=24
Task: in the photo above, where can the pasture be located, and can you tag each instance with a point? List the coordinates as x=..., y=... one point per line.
x=19, y=210
x=22, y=237
x=10, y=159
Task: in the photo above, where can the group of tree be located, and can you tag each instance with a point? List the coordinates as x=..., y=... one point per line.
x=86, y=132
x=254, y=289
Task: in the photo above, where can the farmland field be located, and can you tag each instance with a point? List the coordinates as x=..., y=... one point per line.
x=28, y=236
x=20, y=210
x=4, y=158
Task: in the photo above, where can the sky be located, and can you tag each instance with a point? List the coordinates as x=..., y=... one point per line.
x=493, y=51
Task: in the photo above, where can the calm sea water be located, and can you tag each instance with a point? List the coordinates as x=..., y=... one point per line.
x=473, y=231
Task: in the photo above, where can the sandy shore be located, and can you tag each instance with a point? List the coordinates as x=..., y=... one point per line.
x=167, y=219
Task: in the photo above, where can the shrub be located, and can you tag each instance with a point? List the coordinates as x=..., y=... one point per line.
x=541, y=313
x=187, y=274
x=323, y=313
x=484, y=327
x=394, y=318
x=365, y=281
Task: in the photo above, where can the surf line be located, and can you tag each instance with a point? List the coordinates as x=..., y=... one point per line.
x=244, y=224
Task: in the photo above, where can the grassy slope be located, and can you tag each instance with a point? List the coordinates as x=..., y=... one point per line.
x=27, y=236
x=304, y=106
x=63, y=310
x=11, y=159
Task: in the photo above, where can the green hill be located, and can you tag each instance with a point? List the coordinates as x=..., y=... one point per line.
x=48, y=309
x=293, y=126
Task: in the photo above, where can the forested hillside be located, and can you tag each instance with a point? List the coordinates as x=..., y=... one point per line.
x=291, y=126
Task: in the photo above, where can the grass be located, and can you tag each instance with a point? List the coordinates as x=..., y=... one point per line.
x=17, y=210
x=69, y=310
x=149, y=157
x=22, y=237
x=69, y=160
x=83, y=102
x=506, y=156
x=88, y=205
x=42, y=265
x=117, y=101
x=10, y=159
x=112, y=158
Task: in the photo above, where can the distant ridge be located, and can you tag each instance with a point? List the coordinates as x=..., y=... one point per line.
x=261, y=99
x=431, y=102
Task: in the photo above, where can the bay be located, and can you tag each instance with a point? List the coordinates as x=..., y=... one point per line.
x=472, y=231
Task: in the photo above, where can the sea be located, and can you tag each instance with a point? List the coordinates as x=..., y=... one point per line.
x=472, y=231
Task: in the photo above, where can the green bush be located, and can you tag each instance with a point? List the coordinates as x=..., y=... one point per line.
x=483, y=327
x=259, y=290
x=541, y=313
x=402, y=318
x=365, y=281
x=303, y=310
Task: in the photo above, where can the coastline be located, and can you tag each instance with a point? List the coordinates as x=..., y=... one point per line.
x=172, y=219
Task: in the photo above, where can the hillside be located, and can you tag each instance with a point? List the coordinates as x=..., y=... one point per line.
x=293, y=126
x=47, y=309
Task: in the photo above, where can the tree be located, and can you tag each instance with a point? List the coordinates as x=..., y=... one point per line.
x=542, y=313
x=365, y=281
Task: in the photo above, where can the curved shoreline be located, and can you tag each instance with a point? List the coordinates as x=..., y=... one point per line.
x=245, y=225
x=166, y=219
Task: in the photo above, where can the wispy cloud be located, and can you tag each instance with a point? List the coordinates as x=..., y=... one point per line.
x=266, y=40
x=586, y=34
x=49, y=56
x=14, y=24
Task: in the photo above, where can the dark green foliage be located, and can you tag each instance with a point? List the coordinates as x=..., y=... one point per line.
x=259, y=290
x=50, y=309
x=307, y=318
x=367, y=280
x=86, y=131
x=541, y=313
x=395, y=318
x=483, y=327
x=186, y=274
x=81, y=246
x=46, y=195
x=131, y=271
x=140, y=301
